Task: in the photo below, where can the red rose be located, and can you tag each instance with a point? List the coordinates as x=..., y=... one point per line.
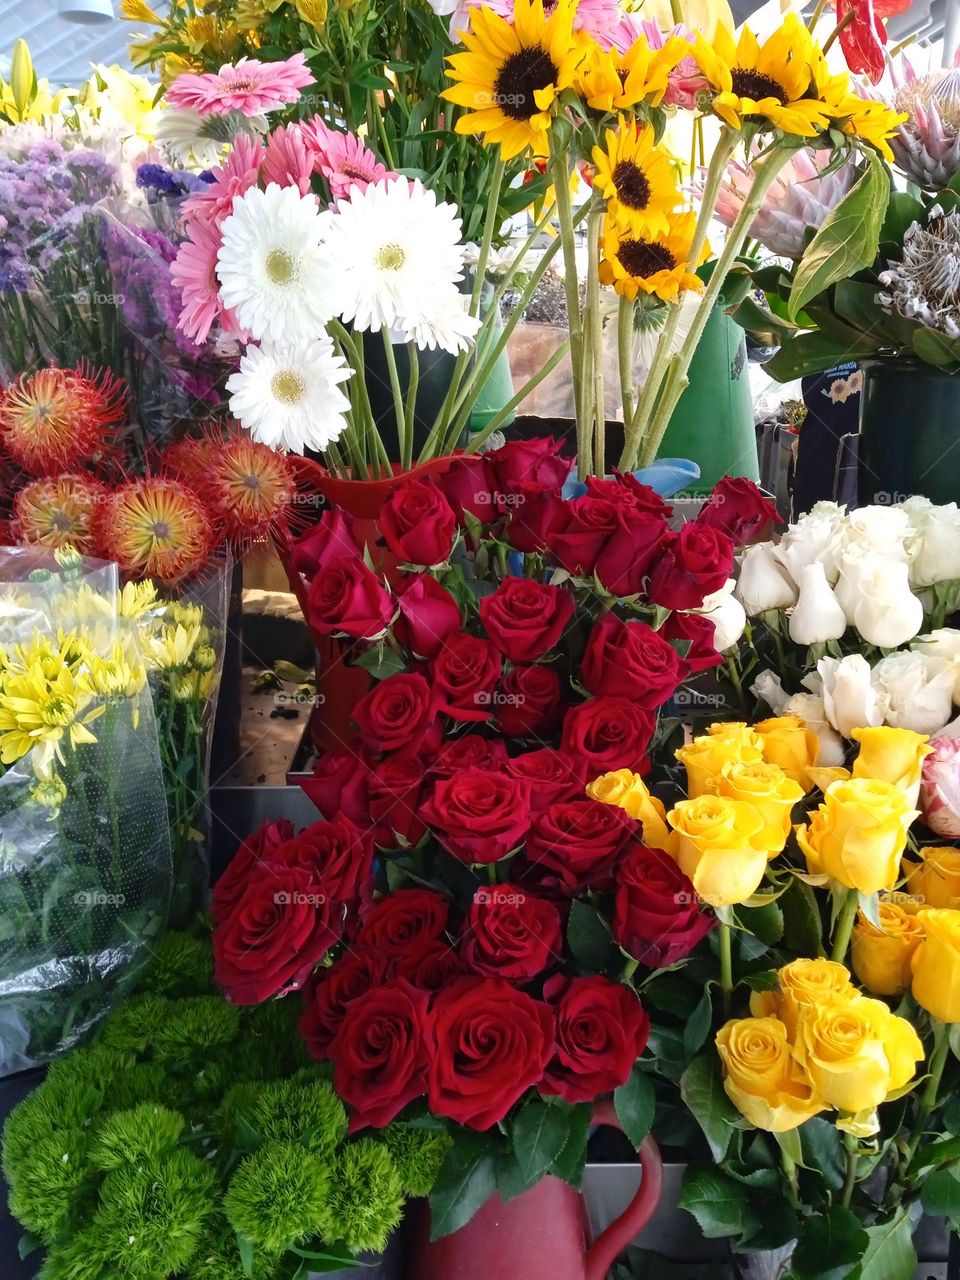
x=631, y=660
x=694, y=563
x=273, y=938
x=554, y=776
x=625, y=490
x=489, y=1043
x=526, y=619
x=428, y=614
x=737, y=508
x=432, y=968
x=380, y=1055
x=404, y=923
x=537, y=514
x=479, y=815
x=468, y=485
x=590, y=522
x=656, y=918
x=469, y=752
x=340, y=783
x=337, y=854
x=601, y=1031
x=465, y=673
x=697, y=631
x=529, y=462
x=397, y=713
x=608, y=734
x=626, y=557
x=576, y=845
x=512, y=934
x=528, y=700
x=330, y=541
x=257, y=850
x=396, y=789
x=347, y=598
x=418, y=523
x=327, y=998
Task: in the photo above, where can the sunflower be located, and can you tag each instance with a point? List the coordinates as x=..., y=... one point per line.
x=864, y=118
x=777, y=80
x=510, y=74
x=636, y=178
x=613, y=81
x=648, y=263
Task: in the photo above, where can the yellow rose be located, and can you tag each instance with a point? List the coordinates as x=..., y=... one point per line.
x=724, y=743
x=628, y=791
x=881, y=957
x=858, y=833
x=856, y=1051
x=766, y=787
x=721, y=846
x=935, y=882
x=762, y=1077
x=802, y=982
x=892, y=755
x=789, y=742
x=936, y=964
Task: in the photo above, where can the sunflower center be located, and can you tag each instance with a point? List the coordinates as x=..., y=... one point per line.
x=280, y=266
x=391, y=257
x=642, y=259
x=756, y=86
x=288, y=386
x=632, y=184
x=523, y=73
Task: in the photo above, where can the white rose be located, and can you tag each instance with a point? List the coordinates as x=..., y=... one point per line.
x=849, y=699
x=918, y=691
x=768, y=687
x=885, y=531
x=809, y=707
x=936, y=545
x=944, y=645
x=810, y=539
x=885, y=611
x=762, y=582
x=727, y=614
x=852, y=565
x=817, y=615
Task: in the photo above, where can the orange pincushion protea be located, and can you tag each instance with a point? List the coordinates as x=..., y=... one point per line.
x=156, y=528
x=250, y=488
x=60, y=511
x=54, y=419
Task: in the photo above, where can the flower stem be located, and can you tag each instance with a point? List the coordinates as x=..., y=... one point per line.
x=848, y=914
x=410, y=409
x=593, y=392
x=398, y=405
x=571, y=281
x=928, y=1099
x=726, y=966
x=625, y=357
x=842, y=25
x=850, y=1180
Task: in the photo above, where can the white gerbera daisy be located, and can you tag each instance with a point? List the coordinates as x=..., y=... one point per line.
x=274, y=271
x=188, y=138
x=398, y=253
x=446, y=323
x=289, y=397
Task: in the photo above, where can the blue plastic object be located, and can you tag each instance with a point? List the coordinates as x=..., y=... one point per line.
x=666, y=476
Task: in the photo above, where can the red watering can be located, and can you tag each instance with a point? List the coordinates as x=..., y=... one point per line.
x=542, y=1234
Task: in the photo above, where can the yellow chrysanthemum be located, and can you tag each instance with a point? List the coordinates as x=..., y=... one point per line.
x=777, y=80
x=119, y=674
x=39, y=711
x=650, y=263
x=510, y=75
x=614, y=81
x=173, y=647
x=636, y=178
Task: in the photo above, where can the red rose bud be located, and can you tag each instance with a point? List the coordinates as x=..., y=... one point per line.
x=428, y=614
x=404, y=923
x=692, y=565
x=329, y=542
x=697, y=632
x=554, y=776
x=396, y=790
x=418, y=523
x=257, y=850
x=628, y=554
x=526, y=619
x=465, y=673
x=528, y=701
x=631, y=660
x=479, y=815
x=656, y=916
x=380, y=1054
x=340, y=783
x=469, y=752
x=347, y=598
x=398, y=713
x=275, y=935
x=601, y=1031
x=609, y=734
x=332, y=991
x=625, y=490
x=737, y=508
x=520, y=462
x=510, y=933
x=590, y=522
x=489, y=1043
x=576, y=846
x=468, y=485
x=536, y=515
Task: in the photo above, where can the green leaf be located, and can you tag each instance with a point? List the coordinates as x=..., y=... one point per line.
x=334, y=1258
x=720, y=1204
x=936, y=348
x=245, y=1249
x=512, y=1180
x=701, y=1088
x=767, y=980
x=848, y=238
x=814, y=352
x=902, y=211
x=635, y=1104
x=940, y=1195
x=466, y=1181
x=830, y=1247
x=802, y=925
x=823, y=1150
x=538, y=1135
x=381, y=661
x=869, y=904
x=789, y=1143
x=28, y=1244
x=697, y=1026
x=570, y=1162
x=890, y=1254
x=589, y=938
x=856, y=303
x=764, y=922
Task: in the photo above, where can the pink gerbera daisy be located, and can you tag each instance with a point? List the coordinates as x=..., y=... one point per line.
x=249, y=86
x=288, y=160
x=238, y=173
x=343, y=159
x=194, y=272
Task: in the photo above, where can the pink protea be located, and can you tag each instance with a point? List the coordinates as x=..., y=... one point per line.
x=800, y=198
x=288, y=160
x=249, y=86
x=238, y=173
x=927, y=145
x=342, y=159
